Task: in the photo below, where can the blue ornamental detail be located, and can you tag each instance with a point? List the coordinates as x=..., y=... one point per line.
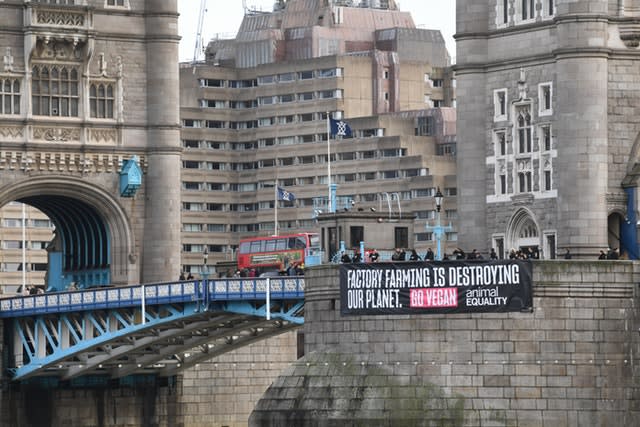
x=130, y=177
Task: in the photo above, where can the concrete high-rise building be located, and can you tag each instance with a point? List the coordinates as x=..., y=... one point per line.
x=547, y=131
x=254, y=116
x=25, y=235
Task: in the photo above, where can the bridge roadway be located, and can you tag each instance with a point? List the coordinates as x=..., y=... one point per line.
x=95, y=335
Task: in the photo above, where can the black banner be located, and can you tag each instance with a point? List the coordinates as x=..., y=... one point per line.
x=474, y=286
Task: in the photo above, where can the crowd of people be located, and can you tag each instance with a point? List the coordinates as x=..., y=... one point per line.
x=400, y=254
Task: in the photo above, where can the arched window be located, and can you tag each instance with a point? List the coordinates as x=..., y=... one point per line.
x=55, y=91
x=524, y=131
x=528, y=230
x=10, y=96
x=101, y=99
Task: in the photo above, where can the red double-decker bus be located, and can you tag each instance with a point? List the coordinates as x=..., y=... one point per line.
x=278, y=253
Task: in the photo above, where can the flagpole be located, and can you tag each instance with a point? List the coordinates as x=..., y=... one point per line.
x=329, y=161
x=275, y=222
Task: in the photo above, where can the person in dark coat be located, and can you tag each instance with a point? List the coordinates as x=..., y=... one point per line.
x=429, y=256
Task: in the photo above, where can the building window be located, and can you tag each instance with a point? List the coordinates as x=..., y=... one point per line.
x=329, y=72
x=326, y=94
x=424, y=237
x=191, y=123
x=502, y=184
x=213, y=103
x=12, y=222
x=191, y=185
x=547, y=180
x=523, y=132
x=55, y=90
x=528, y=9
x=356, y=232
x=68, y=2
x=190, y=143
x=505, y=11
x=498, y=246
x=551, y=7
x=192, y=227
x=550, y=246
x=524, y=181
x=305, y=96
x=401, y=237
x=500, y=138
x=286, y=77
x=266, y=80
x=290, y=97
x=117, y=3
x=11, y=244
x=211, y=83
x=545, y=98
x=305, y=75
x=499, y=104
x=101, y=99
x=10, y=96
x=425, y=126
x=545, y=137
x=194, y=207
x=41, y=223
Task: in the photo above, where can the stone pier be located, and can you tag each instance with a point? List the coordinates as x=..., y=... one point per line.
x=573, y=361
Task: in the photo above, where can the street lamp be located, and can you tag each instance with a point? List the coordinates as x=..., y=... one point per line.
x=438, y=198
x=205, y=267
x=438, y=230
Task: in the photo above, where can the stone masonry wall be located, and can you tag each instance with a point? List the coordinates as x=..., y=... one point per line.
x=571, y=362
x=221, y=393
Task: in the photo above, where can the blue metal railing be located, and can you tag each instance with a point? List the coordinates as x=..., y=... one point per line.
x=246, y=289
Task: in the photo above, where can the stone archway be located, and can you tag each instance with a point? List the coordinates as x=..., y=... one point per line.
x=107, y=215
x=523, y=231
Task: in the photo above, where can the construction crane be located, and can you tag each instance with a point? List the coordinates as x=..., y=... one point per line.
x=198, y=49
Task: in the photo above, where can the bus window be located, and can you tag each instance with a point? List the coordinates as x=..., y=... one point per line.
x=297, y=243
x=281, y=244
x=244, y=247
x=270, y=246
x=256, y=246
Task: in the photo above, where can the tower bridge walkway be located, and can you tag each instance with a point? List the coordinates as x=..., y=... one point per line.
x=101, y=334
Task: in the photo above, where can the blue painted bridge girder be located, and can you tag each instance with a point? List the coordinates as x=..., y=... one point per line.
x=157, y=329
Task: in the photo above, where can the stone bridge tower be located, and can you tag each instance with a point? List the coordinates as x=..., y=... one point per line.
x=547, y=129
x=89, y=133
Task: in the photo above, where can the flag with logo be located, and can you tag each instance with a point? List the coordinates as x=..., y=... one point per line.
x=340, y=128
x=285, y=195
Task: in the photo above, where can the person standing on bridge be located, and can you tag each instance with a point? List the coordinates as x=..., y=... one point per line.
x=429, y=256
